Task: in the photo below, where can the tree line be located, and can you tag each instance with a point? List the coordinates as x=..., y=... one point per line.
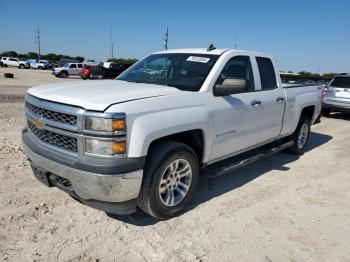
x=315, y=75
x=33, y=55
x=58, y=57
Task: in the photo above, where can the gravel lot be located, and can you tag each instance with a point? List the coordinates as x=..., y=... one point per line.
x=283, y=208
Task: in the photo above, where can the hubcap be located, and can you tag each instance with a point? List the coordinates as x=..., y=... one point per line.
x=302, y=138
x=175, y=182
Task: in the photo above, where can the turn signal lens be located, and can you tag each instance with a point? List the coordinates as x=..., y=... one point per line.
x=119, y=147
x=118, y=124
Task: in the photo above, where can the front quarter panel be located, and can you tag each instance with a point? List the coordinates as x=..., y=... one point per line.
x=154, y=118
x=147, y=128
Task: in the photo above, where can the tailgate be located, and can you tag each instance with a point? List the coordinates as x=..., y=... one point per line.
x=340, y=87
x=342, y=92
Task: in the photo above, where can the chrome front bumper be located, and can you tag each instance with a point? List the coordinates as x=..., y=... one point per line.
x=93, y=186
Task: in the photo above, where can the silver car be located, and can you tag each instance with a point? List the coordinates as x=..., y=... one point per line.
x=337, y=95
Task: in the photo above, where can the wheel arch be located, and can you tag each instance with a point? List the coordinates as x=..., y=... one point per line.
x=192, y=138
x=308, y=111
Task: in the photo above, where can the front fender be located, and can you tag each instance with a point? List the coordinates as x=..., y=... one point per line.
x=149, y=127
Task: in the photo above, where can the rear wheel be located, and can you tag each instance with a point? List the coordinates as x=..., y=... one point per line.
x=40, y=67
x=326, y=112
x=300, y=136
x=21, y=66
x=170, y=179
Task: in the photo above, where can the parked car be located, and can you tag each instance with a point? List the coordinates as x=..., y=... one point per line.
x=67, y=70
x=91, y=71
x=106, y=71
x=15, y=62
x=31, y=62
x=336, y=95
x=144, y=138
x=42, y=65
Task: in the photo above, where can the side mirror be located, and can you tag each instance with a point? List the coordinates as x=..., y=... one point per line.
x=230, y=86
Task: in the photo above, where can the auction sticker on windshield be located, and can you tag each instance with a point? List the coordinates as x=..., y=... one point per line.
x=198, y=59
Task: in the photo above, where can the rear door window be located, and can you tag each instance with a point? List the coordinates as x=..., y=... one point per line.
x=80, y=66
x=342, y=82
x=267, y=73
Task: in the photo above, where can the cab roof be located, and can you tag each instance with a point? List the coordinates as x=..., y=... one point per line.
x=204, y=51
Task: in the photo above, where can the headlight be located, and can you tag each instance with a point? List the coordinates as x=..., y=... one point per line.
x=109, y=148
x=105, y=124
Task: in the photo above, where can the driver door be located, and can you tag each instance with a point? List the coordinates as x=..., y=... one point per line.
x=235, y=117
x=73, y=69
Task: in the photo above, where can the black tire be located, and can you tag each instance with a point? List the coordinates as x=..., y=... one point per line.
x=297, y=149
x=5, y=65
x=8, y=75
x=21, y=66
x=326, y=112
x=63, y=74
x=40, y=68
x=160, y=157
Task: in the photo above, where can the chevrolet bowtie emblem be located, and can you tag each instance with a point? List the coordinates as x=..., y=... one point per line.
x=39, y=124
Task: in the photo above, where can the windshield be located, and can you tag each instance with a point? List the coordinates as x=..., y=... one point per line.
x=184, y=71
x=341, y=82
x=66, y=65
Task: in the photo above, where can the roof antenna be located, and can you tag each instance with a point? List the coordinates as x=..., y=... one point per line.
x=211, y=47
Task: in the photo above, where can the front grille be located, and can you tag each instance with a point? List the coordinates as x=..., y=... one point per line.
x=58, y=140
x=52, y=115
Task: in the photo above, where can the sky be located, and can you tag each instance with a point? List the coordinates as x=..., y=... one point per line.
x=301, y=35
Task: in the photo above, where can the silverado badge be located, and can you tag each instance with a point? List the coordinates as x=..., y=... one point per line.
x=39, y=124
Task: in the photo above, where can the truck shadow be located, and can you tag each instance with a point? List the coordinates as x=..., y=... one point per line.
x=211, y=187
x=339, y=115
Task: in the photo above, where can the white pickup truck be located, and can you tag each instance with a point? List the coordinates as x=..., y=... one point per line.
x=15, y=62
x=144, y=139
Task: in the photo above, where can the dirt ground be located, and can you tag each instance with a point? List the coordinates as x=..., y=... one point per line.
x=283, y=208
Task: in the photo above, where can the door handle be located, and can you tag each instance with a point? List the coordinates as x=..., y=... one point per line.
x=279, y=99
x=255, y=103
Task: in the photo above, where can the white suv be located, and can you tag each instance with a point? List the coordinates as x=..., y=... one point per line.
x=11, y=61
x=337, y=95
x=67, y=70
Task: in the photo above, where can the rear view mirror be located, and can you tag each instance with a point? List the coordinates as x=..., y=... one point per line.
x=230, y=86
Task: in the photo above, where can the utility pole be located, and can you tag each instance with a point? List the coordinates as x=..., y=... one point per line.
x=110, y=44
x=112, y=49
x=37, y=39
x=166, y=35
x=236, y=41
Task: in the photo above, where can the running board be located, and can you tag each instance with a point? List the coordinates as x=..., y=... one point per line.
x=221, y=168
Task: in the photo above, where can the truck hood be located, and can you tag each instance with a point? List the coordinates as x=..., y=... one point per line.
x=98, y=95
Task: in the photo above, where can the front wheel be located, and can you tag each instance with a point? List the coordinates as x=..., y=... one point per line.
x=170, y=179
x=21, y=66
x=63, y=74
x=300, y=136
